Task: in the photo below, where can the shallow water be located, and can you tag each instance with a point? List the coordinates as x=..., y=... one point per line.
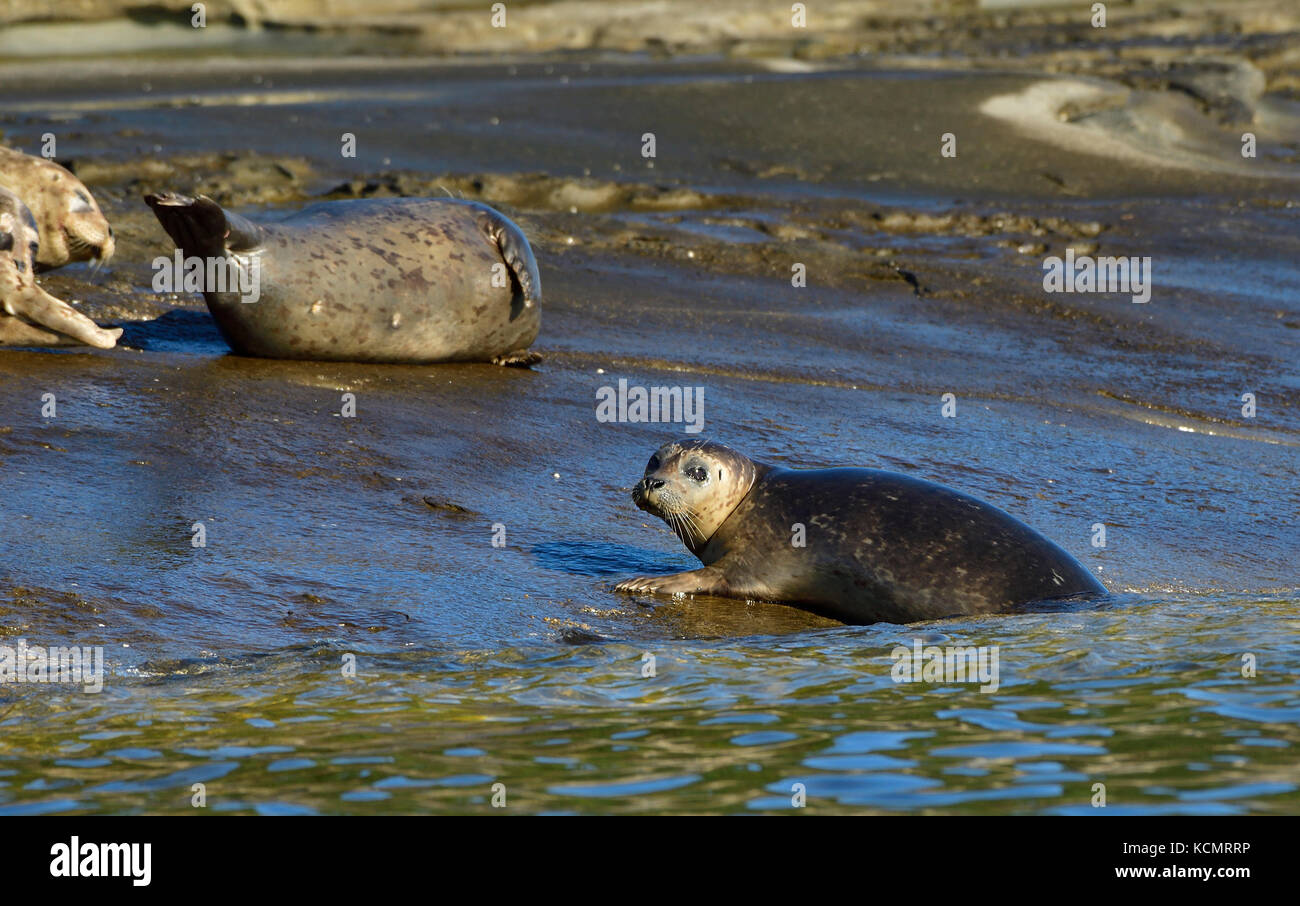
x=1144, y=696
x=475, y=664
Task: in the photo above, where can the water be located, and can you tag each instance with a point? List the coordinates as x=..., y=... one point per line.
x=1145, y=696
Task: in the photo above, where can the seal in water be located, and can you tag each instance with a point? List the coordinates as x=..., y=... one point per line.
x=374, y=280
x=876, y=546
x=30, y=316
x=71, y=225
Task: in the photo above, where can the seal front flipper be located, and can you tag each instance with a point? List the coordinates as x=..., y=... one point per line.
x=46, y=311
x=707, y=580
x=17, y=332
x=515, y=252
x=200, y=226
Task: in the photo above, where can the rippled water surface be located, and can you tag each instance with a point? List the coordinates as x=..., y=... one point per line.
x=1145, y=697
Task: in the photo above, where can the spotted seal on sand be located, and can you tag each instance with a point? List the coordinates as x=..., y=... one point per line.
x=29, y=316
x=72, y=226
x=372, y=280
x=877, y=546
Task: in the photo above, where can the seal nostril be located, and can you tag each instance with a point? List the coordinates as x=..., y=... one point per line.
x=645, y=486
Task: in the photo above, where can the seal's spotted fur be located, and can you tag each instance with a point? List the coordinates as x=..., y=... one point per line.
x=877, y=547
x=373, y=280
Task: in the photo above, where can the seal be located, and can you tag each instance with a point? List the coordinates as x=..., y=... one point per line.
x=856, y=545
x=31, y=316
x=72, y=226
x=412, y=280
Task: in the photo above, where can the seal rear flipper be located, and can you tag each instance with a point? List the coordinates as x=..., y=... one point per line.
x=518, y=358
x=201, y=226
x=515, y=252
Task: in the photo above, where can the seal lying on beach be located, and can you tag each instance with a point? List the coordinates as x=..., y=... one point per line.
x=375, y=280
x=71, y=225
x=876, y=546
x=30, y=316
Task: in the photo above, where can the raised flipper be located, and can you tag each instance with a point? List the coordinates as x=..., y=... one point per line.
x=515, y=252
x=200, y=226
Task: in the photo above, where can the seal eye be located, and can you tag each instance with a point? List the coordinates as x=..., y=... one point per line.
x=81, y=203
x=652, y=465
x=697, y=473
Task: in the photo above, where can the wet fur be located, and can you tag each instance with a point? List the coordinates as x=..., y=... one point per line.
x=879, y=546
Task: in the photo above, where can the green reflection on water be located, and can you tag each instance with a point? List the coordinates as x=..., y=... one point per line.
x=1104, y=697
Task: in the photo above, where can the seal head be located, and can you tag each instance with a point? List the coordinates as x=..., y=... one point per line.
x=694, y=485
x=71, y=225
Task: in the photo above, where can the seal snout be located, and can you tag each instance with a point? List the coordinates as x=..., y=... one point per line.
x=103, y=252
x=641, y=493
